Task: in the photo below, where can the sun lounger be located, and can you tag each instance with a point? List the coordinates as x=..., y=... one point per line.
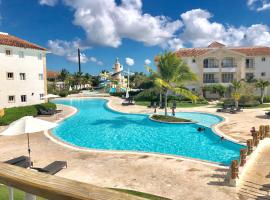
x=267, y=114
x=53, y=168
x=22, y=161
x=45, y=112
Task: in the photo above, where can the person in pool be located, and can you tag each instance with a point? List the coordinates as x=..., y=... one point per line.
x=201, y=129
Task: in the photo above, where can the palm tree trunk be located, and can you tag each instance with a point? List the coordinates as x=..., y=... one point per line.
x=166, y=97
x=262, y=95
x=160, y=98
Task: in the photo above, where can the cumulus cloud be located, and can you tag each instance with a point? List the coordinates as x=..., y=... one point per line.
x=69, y=50
x=48, y=2
x=199, y=31
x=130, y=61
x=258, y=5
x=106, y=23
x=147, y=62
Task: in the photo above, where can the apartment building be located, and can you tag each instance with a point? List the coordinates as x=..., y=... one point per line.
x=218, y=63
x=22, y=72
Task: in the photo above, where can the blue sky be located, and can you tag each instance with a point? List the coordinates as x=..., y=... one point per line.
x=136, y=29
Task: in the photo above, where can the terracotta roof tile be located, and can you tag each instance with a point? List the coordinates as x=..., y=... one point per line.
x=10, y=40
x=52, y=74
x=248, y=51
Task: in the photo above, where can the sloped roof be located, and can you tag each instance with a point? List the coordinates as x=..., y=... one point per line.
x=248, y=51
x=10, y=40
x=52, y=74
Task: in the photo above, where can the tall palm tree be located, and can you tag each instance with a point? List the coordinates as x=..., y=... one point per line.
x=261, y=84
x=171, y=75
x=236, y=85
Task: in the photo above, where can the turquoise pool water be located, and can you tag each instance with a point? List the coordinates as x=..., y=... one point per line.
x=97, y=127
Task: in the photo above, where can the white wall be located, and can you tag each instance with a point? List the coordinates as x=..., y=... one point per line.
x=31, y=66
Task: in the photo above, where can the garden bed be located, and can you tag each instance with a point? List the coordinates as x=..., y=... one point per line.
x=169, y=119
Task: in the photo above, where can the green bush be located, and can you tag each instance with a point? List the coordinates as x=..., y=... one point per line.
x=13, y=114
x=244, y=101
x=63, y=93
x=151, y=94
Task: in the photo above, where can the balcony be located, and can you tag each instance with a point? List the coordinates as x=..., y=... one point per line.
x=228, y=69
x=53, y=187
x=211, y=70
x=210, y=80
x=227, y=80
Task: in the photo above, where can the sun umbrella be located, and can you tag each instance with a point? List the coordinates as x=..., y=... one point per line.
x=27, y=125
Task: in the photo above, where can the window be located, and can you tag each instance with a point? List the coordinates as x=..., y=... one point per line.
x=40, y=76
x=22, y=76
x=10, y=75
x=193, y=60
x=227, y=77
x=41, y=96
x=8, y=52
x=11, y=99
x=210, y=63
x=209, y=78
x=228, y=63
x=263, y=74
x=263, y=59
x=249, y=76
x=250, y=63
x=21, y=54
x=40, y=56
x=23, y=98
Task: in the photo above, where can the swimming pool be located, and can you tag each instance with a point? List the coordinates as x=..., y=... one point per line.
x=95, y=126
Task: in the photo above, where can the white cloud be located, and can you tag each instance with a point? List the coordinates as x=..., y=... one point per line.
x=106, y=23
x=258, y=5
x=48, y=2
x=130, y=61
x=147, y=62
x=69, y=50
x=199, y=31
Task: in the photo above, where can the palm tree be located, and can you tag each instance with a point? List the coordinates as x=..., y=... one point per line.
x=236, y=85
x=63, y=75
x=261, y=84
x=171, y=75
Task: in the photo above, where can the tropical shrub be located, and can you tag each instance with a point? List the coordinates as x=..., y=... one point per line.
x=13, y=114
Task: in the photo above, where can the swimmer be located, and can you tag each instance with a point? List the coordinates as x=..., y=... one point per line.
x=200, y=129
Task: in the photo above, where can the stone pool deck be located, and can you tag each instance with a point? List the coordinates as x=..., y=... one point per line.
x=174, y=178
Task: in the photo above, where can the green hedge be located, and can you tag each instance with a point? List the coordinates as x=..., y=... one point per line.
x=12, y=114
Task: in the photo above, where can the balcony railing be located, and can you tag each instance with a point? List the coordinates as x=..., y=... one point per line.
x=54, y=188
x=227, y=80
x=210, y=80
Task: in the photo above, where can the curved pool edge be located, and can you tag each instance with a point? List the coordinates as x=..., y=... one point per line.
x=215, y=128
x=63, y=143
x=58, y=141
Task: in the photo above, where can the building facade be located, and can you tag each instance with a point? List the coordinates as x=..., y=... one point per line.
x=218, y=64
x=22, y=72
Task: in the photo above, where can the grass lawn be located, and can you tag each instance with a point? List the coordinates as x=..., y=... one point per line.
x=18, y=195
x=179, y=105
x=259, y=106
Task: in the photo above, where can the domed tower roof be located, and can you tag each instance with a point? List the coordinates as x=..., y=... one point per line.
x=216, y=45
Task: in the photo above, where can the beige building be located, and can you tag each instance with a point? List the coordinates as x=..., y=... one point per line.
x=22, y=72
x=218, y=63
